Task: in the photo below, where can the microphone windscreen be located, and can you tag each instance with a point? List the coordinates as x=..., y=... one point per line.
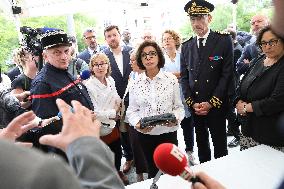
x=85, y=74
x=169, y=159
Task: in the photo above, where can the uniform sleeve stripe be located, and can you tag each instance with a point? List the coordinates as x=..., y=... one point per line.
x=56, y=93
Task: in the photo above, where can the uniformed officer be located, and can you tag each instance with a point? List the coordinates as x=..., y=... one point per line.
x=54, y=81
x=206, y=70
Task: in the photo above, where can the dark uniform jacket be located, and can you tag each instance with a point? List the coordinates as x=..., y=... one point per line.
x=264, y=88
x=52, y=83
x=206, y=79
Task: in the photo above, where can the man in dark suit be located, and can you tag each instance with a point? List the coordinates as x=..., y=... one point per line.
x=206, y=72
x=119, y=58
x=251, y=50
x=93, y=47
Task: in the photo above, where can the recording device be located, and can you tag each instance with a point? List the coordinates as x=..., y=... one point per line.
x=31, y=39
x=170, y=160
x=162, y=119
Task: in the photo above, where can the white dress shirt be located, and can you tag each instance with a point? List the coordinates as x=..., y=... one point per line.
x=154, y=97
x=104, y=99
x=204, y=38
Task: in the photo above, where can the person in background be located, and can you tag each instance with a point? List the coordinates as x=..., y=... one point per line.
x=154, y=92
x=138, y=155
x=106, y=101
x=90, y=159
x=119, y=58
x=233, y=124
x=148, y=36
x=171, y=43
x=260, y=95
x=242, y=37
x=17, y=69
x=90, y=39
x=76, y=65
x=126, y=37
x=206, y=72
x=252, y=50
x=23, y=81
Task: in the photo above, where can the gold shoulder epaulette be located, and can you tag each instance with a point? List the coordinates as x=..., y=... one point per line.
x=186, y=40
x=223, y=32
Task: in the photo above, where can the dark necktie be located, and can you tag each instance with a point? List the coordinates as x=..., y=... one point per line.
x=201, y=47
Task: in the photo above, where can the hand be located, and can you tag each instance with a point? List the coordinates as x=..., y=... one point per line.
x=76, y=124
x=145, y=130
x=240, y=107
x=171, y=124
x=246, y=61
x=22, y=96
x=117, y=106
x=207, y=182
x=18, y=126
x=26, y=104
x=202, y=108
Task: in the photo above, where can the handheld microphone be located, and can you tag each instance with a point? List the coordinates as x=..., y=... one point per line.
x=85, y=74
x=169, y=159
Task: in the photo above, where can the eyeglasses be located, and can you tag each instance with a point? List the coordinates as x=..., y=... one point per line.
x=99, y=65
x=167, y=39
x=271, y=43
x=151, y=54
x=90, y=37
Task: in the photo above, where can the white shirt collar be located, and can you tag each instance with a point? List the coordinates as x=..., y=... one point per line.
x=160, y=75
x=205, y=38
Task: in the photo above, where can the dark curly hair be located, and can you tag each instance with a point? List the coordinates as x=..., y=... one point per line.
x=262, y=31
x=155, y=45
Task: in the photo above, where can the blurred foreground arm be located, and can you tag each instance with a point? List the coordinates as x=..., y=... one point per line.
x=90, y=158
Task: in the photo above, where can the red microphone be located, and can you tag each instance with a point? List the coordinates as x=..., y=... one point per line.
x=169, y=159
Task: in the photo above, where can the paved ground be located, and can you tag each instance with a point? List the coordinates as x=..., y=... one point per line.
x=132, y=175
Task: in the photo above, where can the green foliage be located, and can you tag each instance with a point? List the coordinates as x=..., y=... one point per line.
x=8, y=40
x=9, y=36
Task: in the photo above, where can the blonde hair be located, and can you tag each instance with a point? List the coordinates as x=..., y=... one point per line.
x=175, y=36
x=105, y=59
x=19, y=56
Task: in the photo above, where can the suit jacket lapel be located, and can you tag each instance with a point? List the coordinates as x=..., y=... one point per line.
x=125, y=61
x=194, y=57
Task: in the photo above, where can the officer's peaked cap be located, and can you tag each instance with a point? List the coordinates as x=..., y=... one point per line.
x=54, y=38
x=198, y=7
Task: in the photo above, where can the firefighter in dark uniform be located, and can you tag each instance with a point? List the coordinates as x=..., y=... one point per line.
x=54, y=81
x=206, y=71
